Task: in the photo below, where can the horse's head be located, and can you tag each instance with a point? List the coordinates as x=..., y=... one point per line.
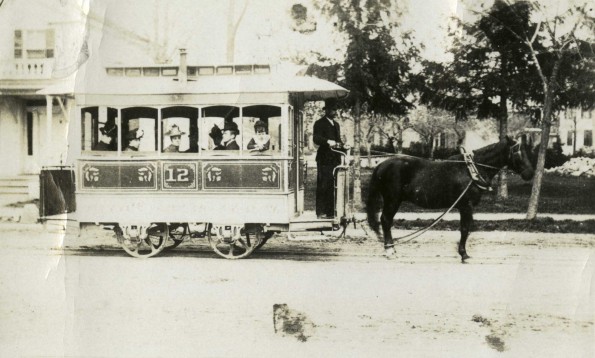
x=518, y=157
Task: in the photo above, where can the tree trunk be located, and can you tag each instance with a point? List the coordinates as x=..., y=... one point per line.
x=431, y=147
x=502, y=183
x=357, y=183
x=399, y=141
x=369, y=148
x=574, y=134
x=538, y=178
x=503, y=121
x=546, y=123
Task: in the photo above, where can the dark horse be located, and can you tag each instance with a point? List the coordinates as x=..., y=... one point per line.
x=438, y=184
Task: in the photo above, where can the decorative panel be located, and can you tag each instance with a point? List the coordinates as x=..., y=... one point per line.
x=137, y=175
x=242, y=176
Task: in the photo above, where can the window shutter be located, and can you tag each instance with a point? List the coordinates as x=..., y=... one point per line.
x=588, y=138
x=18, y=44
x=49, y=43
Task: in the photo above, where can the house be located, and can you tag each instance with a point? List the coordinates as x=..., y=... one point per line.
x=575, y=128
x=40, y=44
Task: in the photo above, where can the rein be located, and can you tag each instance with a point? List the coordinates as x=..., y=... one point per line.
x=417, y=233
x=436, y=160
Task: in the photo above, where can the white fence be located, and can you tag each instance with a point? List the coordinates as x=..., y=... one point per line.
x=26, y=69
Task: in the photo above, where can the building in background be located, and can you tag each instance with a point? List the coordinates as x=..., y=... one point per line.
x=576, y=127
x=40, y=45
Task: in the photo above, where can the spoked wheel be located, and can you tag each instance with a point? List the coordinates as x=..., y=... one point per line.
x=177, y=234
x=231, y=242
x=143, y=245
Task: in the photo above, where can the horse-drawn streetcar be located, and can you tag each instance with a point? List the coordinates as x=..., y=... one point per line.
x=161, y=154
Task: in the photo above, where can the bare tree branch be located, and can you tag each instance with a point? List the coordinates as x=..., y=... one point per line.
x=537, y=28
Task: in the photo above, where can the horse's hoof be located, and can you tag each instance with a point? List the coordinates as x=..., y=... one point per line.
x=464, y=257
x=390, y=253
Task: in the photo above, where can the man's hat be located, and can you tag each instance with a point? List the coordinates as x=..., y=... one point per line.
x=260, y=124
x=174, y=131
x=231, y=126
x=330, y=103
x=109, y=129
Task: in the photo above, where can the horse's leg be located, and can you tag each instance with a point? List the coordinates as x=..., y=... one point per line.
x=388, y=214
x=466, y=224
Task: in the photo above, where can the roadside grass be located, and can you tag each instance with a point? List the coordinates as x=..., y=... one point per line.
x=559, y=195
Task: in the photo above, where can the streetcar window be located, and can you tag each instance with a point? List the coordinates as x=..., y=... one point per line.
x=262, y=129
x=221, y=129
x=99, y=129
x=179, y=128
x=139, y=129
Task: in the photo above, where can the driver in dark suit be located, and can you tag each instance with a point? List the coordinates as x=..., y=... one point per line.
x=327, y=135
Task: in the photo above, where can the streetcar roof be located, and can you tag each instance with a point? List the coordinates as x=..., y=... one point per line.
x=102, y=83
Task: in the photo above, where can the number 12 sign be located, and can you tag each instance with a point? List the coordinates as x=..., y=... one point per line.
x=179, y=176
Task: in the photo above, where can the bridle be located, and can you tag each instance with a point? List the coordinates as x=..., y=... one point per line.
x=512, y=152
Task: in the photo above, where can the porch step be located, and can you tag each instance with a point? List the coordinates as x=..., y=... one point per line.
x=11, y=198
x=14, y=183
x=14, y=190
x=18, y=185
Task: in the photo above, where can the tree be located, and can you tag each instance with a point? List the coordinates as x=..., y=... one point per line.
x=489, y=71
x=391, y=127
x=560, y=44
x=567, y=37
x=429, y=123
x=374, y=69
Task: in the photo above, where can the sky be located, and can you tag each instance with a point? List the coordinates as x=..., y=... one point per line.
x=263, y=36
x=429, y=19
x=160, y=27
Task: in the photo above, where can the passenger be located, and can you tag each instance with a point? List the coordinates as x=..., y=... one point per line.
x=134, y=137
x=215, y=138
x=107, y=133
x=261, y=140
x=230, y=131
x=327, y=135
x=175, y=136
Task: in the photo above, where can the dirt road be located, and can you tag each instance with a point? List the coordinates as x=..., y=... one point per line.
x=521, y=295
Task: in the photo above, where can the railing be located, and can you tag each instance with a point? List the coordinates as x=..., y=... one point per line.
x=26, y=69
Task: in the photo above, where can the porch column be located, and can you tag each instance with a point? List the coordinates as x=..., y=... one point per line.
x=47, y=156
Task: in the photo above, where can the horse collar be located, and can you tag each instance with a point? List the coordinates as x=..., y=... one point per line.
x=478, y=180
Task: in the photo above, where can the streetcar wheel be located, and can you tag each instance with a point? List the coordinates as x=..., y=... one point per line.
x=177, y=234
x=149, y=246
x=238, y=246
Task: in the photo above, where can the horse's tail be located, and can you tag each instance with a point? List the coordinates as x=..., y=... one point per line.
x=372, y=203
